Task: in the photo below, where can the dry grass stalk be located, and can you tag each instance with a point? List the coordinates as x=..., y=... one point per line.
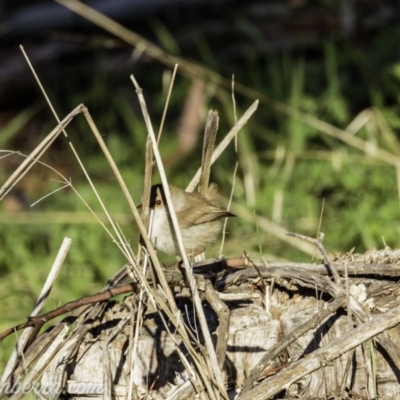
x=30, y=161
x=212, y=363
x=272, y=228
x=23, y=340
x=149, y=160
x=224, y=143
x=210, y=134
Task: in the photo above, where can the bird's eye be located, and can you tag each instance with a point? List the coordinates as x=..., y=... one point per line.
x=158, y=202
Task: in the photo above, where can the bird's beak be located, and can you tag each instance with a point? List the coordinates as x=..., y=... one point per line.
x=141, y=205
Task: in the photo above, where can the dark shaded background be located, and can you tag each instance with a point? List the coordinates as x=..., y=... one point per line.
x=65, y=48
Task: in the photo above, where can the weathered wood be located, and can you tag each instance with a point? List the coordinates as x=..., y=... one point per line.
x=327, y=310
x=279, y=331
x=324, y=356
x=222, y=310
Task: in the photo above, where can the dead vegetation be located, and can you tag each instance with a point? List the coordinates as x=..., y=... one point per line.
x=280, y=330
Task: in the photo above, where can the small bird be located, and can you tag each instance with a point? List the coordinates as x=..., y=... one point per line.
x=199, y=217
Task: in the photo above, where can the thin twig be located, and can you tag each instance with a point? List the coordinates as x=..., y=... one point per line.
x=228, y=209
x=39, y=320
x=318, y=242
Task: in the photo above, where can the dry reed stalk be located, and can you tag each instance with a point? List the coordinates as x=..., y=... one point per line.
x=134, y=331
x=35, y=155
x=272, y=228
x=234, y=171
x=30, y=377
x=82, y=109
x=224, y=143
x=210, y=134
x=149, y=160
x=213, y=363
x=44, y=294
x=318, y=243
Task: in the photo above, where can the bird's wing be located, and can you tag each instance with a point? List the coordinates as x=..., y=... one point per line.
x=197, y=217
x=213, y=216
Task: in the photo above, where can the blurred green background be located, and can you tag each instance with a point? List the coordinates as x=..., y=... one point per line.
x=320, y=153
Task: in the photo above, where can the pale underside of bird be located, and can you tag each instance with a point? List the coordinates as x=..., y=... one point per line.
x=199, y=216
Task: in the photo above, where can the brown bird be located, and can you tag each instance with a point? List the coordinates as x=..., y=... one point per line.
x=199, y=217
